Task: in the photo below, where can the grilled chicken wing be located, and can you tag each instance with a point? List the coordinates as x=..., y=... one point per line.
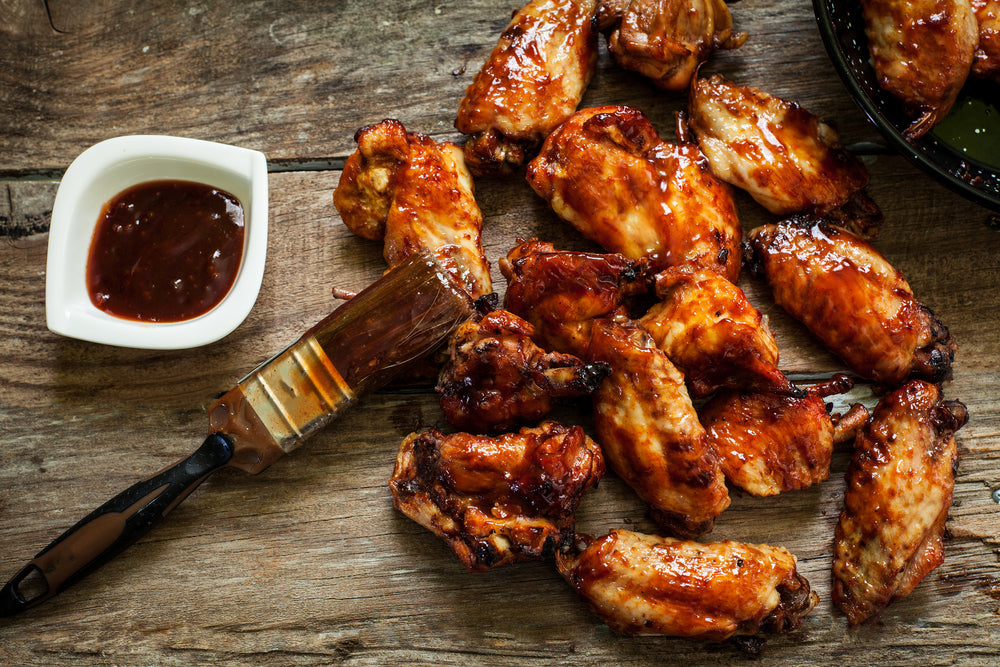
x=496, y=377
x=644, y=584
x=650, y=432
x=899, y=488
x=922, y=51
x=852, y=299
x=497, y=500
x=666, y=40
x=562, y=293
x=709, y=330
x=607, y=173
x=786, y=158
x=416, y=195
x=533, y=80
x=769, y=443
x=987, y=59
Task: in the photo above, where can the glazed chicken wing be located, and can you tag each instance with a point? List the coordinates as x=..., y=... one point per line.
x=987, y=58
x=899, y=488
x=644, y=584
x=533, y=80
x=922, y=51
x=770, y=443
x=496, y=377
x=786, y=158
x=497, y=500
x=562, y=293
x=853, y=300
x=650, y=432
x=607, y=173
x=416, y=195
x=666, y=40
x=709, y=330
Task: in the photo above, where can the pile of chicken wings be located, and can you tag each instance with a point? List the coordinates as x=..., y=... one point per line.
x=680, y=369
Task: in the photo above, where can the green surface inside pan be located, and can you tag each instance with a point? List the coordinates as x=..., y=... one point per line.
x=972, y=128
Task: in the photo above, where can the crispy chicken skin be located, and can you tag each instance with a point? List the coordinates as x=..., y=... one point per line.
x=899, y=488
x=922, y=51
x=562, y=293
x=785, y=157
x=497, y=500
x=495, y=377
x=709, y=330
x=533, y=80
x=416, y=195
x=650, y=433
x=852, y=299
x=607, y=173
x=644, y=584
x=987, y=58
x=666, y=40
x=770, y=443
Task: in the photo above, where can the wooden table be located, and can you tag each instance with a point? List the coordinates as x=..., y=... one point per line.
x=308, y=563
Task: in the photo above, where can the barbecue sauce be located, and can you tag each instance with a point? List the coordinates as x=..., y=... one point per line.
x=165, y=251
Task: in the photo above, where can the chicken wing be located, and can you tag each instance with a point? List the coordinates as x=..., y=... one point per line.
x=709, y=330
x=497, y=500
x=899, y=487
x=495, y=377
x=533, y=80
x=666, y=40
x=562, y=293
x=853, y=300
x=786, y=158
x=650, y=433
x=987, y=58
x=644, y=584
x=607, y=173
x=770, y=443
x=416, y=195
x=922, y=51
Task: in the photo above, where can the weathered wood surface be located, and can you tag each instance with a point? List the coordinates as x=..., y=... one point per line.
x=308, y=563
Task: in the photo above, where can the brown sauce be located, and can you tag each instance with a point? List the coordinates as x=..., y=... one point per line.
x=165, y=251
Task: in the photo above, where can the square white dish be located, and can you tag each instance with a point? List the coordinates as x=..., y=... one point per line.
x=108, y=168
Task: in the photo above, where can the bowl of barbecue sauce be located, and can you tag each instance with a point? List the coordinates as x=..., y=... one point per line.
x=157, y=242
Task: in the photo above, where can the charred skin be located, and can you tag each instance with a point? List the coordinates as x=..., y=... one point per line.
x=645, y=584
x=495, y=377
x=820, y=273
x=499, y=500
x=532, y=81
x=650, y=433
x=606, y=172
x=899, y=489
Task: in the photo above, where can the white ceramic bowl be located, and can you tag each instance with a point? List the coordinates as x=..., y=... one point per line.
x=100, y=173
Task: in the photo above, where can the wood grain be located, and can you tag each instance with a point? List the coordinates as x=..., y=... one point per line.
x=308, y=563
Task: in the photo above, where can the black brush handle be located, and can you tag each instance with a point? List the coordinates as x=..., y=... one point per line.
x=108, y=530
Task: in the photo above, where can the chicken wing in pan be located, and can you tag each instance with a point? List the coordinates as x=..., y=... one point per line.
x=416, y=195
x=922, y=52
x=650, y=433
x=643, y=584
x=712, y=333
x=607, y=172
x=562, y=293
x=899, y=488
x=533, y=80
x=497, y=500
x=987, y=59
x=785, y=157
x=853, y=300
x=495, y=377
x=666, y=40
x=770, y=443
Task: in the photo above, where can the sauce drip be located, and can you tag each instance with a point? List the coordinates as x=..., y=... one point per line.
x=165, y=251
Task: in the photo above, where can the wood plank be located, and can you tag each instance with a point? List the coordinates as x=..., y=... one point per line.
x=295, y=79
x=308, y=563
